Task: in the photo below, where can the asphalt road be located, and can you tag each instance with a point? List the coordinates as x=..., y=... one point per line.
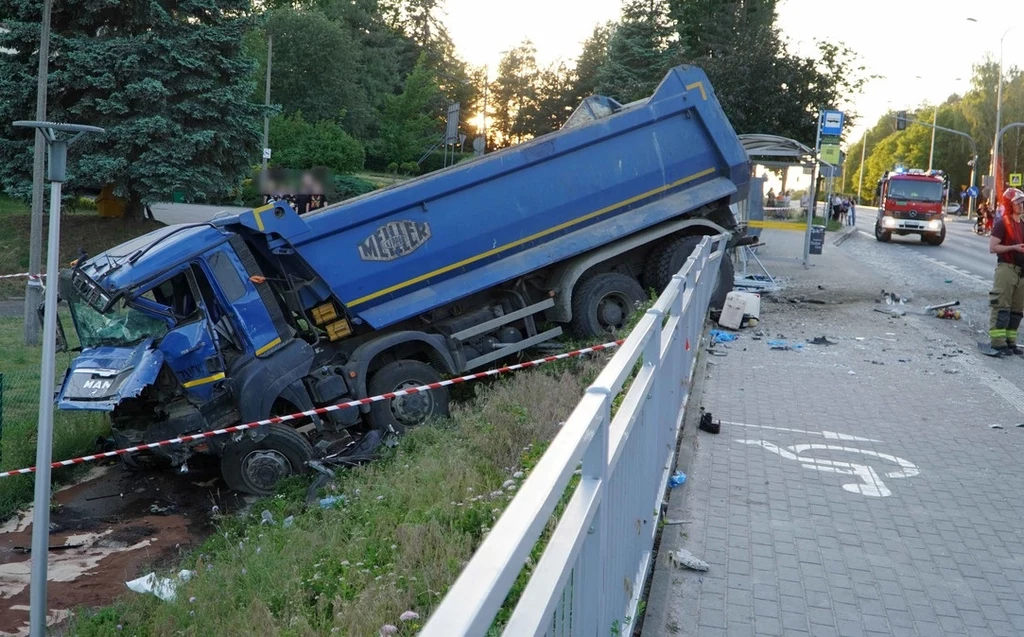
x=963, y=251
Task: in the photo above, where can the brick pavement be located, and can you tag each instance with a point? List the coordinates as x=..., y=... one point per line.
x=915, y=528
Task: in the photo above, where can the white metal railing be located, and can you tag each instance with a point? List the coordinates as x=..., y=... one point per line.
x=592, y=572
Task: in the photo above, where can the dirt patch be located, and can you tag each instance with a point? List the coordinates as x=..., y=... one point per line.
x=110, y=528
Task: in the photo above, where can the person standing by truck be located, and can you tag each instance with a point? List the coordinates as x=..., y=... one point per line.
x=1006, y=299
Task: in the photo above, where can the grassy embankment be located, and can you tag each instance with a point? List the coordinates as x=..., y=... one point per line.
x=74, y=433
x=407, y=525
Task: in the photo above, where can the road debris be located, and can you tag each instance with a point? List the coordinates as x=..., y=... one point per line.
x=995, y=426
x=685, y=559
x=783, y=345
x=163, y=587
x=822, y=340
x=721, y=336
x=678, y=479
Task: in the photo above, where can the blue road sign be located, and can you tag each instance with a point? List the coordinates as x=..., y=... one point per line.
x=973, y=191
x=832, y=123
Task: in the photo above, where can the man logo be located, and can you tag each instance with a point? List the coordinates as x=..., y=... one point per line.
x=394, y=240
x=97, y=384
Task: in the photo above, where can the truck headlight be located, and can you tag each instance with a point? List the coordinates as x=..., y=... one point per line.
x=934, y=224
x=888, y=222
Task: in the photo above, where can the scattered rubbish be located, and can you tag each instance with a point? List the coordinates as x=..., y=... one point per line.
x=733, y=309
x=685, y=559
x=159, y=510
x=952, y=371
x=891, y=298
x=331, y=500
x=852, y=373
x=995, y=426
x=266, y=518
x=986, y=348
x=288, y=521
x=822, y=340
x=719, y=336
x=717, y=352
x=876, y=362
x=949, y=280
x=678, y=479
x=708, y=424
x=881, y=338
x=1020, y=424
x=948, y=313
x=894, y=312
x=783, y=345
x=162, y=587
x=859, y=338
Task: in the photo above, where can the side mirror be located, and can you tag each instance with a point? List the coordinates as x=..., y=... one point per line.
x=62, y=341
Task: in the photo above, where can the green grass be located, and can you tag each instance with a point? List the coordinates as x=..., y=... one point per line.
x=410, y=522
x=74, y=433
x=84, y=230
x=9, y=206
x=831, y=226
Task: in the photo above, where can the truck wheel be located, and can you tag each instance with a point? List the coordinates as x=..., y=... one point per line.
x=402, y=413
x=258, y=467
x=666, y=260
x=937, y=238
x=603, y=303
x=882, y=235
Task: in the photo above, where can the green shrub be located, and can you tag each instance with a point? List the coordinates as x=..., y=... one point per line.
x=302, y=145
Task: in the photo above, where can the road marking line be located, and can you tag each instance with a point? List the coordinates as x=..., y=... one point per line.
x=831, y=435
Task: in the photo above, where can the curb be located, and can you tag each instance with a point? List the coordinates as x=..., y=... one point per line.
x=846, y=234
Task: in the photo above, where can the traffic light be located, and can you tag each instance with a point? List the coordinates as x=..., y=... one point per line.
x=901, y=120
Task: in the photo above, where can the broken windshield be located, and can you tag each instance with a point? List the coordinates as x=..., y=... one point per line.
x=122, y=325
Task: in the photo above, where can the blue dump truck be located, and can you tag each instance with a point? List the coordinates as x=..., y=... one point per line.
x=196, y=327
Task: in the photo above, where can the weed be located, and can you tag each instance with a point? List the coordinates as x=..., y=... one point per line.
x=73, y=432
x=408, y=524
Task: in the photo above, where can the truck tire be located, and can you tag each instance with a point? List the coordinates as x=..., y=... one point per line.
x=667, y=259
x=400, y=414
x=882, y=235
x=257, y=467
x=936, y=238
x=603, y=303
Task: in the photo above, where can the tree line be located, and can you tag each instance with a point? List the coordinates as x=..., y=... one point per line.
x=359, y=85
x=972, y=113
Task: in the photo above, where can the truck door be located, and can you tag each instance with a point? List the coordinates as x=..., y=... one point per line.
x=190, y=348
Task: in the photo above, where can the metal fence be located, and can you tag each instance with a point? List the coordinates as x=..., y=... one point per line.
x=592, y=572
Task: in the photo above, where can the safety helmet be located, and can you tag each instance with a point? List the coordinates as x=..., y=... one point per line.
x=1014, y=195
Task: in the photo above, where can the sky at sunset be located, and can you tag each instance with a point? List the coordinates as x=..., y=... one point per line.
x=921, y=48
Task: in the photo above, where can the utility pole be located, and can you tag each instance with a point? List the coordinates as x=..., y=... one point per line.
x=931, y=153
x=266, y=102
x=34, y=287
x=487, y=82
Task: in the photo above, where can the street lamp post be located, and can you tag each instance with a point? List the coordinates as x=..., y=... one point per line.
x=56, y=171
x=996, y=164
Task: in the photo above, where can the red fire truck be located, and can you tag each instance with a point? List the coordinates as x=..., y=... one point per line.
x=911, y=202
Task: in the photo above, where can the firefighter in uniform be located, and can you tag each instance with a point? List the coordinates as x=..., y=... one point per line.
x=1006, y=299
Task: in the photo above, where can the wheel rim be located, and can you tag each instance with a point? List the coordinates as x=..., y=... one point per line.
x=413, y=409
x=262, y=469
x=613, y=310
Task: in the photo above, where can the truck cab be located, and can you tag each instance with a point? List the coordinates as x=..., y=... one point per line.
x=911, y=202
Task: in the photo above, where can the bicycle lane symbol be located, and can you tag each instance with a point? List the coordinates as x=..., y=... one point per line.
x=871, y=484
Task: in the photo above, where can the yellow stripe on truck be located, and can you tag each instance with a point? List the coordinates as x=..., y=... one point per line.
x=532, y=237
x=203, y=381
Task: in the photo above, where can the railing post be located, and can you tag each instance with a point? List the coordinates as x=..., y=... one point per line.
x=590, y=612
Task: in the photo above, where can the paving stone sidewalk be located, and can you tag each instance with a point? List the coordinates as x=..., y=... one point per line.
x=854, y=489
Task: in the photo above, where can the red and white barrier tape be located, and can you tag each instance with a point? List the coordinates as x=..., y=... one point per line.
x=22, y=275
x=320, y=410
